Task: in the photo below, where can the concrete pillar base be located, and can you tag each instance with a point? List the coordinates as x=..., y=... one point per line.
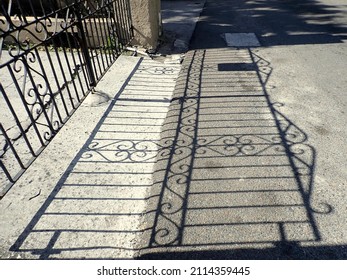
x=146, y=22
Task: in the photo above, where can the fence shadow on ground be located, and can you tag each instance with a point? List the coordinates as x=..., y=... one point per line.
x=234, y=177
x=96, y=209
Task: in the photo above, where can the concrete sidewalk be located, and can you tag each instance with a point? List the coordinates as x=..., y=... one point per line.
x=86, y=195
x=243, y=161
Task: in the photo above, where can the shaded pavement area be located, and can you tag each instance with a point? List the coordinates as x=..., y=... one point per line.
x=93, y=209
x=239, y=178
x=276, y=23
x=236, y=172
x=245, y=161
x=85, y=196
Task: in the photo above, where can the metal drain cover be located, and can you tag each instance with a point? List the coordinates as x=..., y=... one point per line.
x=241, y=40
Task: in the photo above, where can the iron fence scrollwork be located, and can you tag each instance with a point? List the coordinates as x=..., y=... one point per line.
x=52, y=54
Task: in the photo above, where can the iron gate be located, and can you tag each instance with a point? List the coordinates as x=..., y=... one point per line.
x=52, y=54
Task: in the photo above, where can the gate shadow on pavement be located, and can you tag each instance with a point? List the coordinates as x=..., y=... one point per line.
x=96, y=209
x=234, y=177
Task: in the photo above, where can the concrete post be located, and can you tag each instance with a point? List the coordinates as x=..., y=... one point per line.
x=146, y=22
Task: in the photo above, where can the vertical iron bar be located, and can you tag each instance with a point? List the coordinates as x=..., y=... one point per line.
x=81, y=57
x=123, y=20
x=69, y=68
x=76, y=70
x=111, y=49
x=36, y=91
x=119, y=22
x=96, y=40
x=56, y=79
x=85, y=75
x=63, y=74
x=84, y=48
x=131, y=28
x=18, y=123
x=95, y=58
x=21, y=95
x=110, y=29
x=105, y=38
x=106, y=35
x=48, y=85
x=126, y=19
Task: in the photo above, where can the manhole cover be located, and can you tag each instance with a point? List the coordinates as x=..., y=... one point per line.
x=241, y=40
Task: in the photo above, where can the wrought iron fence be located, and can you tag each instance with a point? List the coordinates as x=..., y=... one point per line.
x=52, y=54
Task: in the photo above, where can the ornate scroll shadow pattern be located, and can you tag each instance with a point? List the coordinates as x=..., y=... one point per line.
x=234, y=171
x=169, y=220
x=97, y=207
x=121, y=151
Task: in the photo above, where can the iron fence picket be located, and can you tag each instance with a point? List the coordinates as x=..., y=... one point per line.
x=71, y=46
